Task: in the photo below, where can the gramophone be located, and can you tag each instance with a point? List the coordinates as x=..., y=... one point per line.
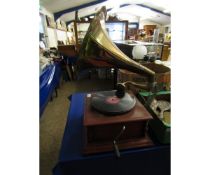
x=114, y=119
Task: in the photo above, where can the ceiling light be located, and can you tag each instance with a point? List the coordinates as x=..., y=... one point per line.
x=166, y=11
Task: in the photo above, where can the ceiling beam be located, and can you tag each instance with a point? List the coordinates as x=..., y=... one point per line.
x=124, y=5
x=155, y=10
x=60, y=13
x=141, y=5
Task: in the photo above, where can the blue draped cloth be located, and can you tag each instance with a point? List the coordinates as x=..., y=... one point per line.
x=153, y=160
x=49, y=79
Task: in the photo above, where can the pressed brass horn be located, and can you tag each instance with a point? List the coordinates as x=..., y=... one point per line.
x=98, y=50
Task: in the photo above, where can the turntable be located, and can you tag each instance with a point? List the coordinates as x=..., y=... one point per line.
x=107, y=102
x=113, y=120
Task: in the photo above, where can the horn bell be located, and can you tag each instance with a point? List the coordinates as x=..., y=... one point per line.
x=98, y=50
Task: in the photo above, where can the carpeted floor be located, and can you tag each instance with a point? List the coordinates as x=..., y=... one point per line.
x=53, y=120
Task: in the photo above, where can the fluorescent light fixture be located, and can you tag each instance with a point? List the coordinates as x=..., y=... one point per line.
x=166, y=11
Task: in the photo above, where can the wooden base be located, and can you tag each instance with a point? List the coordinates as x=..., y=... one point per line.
x=100, y=130
x=92, y=148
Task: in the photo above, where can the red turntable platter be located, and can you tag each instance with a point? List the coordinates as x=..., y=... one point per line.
x=108, y=103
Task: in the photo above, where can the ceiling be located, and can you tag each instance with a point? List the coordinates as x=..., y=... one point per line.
x=58, y=5
x=153, y=10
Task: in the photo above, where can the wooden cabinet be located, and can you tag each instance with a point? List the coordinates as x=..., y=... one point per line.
x=133, y=30
x=149, y=28
x=100, y=130
x=166, y=52
x=117, y=30
x=132, y=33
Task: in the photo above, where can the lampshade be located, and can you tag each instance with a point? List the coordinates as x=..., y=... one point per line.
x=139, y=52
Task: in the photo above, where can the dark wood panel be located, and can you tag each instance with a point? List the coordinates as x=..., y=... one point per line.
x=125, y=144
x=68, y=50
x=108, y=132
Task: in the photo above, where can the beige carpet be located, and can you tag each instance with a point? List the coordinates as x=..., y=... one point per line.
x=53, y=120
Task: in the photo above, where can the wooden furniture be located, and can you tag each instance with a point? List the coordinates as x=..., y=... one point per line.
x=71, y=52
x=162, y=73
x=68, y=50
x=113, y=29
x=132, y=33
x=81, y=27
x=166, y=52
x=100, y=130
x=162, y=76
x=132, y=30
x=149, y=28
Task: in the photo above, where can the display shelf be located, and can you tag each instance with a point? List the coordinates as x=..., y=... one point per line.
x=116, y=30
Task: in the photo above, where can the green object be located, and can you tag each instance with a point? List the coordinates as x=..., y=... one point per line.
x=150, y=93
x=161, y=130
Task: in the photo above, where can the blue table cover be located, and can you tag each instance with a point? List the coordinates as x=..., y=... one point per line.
x=49, y=79
x=153, y=160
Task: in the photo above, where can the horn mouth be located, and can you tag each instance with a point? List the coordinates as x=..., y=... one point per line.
x=98, y=50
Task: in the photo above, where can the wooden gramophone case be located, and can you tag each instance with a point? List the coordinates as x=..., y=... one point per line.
x=100, y=130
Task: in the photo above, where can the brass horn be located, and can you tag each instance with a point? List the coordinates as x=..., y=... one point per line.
x=98, y=50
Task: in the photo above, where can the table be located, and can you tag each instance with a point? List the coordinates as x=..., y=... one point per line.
x=49, y=80
x=144, y=161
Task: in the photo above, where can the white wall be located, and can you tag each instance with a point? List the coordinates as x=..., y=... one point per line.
x=62, y=36
x=45, y=11
x=169, y=28
x=52, y=37
x=51, y=33
x=147, y=22
x=128, y=17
